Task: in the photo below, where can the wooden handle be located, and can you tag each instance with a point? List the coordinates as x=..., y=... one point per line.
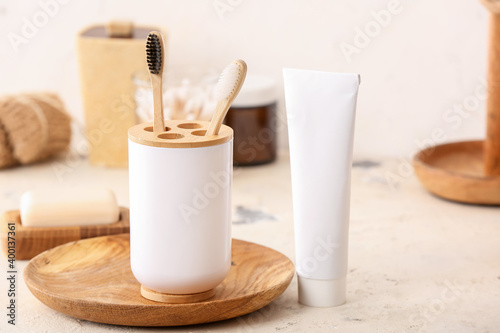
x=492, y=142
x=158, y=121
x=218, y=117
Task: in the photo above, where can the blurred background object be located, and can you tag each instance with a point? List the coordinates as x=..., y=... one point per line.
x=469, y=171
x=33, y=127
x=109, y=55
x=422, y=67
x=187, y=93
x=253, y=118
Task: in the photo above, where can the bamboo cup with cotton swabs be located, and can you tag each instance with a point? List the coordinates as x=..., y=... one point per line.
x=180, y=199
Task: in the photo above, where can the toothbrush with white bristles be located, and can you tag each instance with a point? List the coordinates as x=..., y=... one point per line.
x=226, y=90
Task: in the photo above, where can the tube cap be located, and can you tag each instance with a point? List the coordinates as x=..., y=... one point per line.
x=321, y=293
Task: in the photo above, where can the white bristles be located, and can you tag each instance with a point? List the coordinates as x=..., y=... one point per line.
x=227, y=81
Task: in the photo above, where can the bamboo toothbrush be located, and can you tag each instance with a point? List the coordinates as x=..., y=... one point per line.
x=226, y=90
x=155, y=54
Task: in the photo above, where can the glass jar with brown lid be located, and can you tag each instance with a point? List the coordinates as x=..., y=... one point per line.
x=252, y=117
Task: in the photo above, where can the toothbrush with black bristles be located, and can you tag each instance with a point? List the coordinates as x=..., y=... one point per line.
x=155, y=55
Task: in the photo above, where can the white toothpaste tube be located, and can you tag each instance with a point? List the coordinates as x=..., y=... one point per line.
x=320, y=111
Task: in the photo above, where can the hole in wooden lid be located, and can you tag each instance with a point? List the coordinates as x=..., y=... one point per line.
x=170, y=136
x=189, y=125
x=150, y=129
x=199, y=133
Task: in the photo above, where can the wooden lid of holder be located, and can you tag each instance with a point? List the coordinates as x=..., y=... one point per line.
x=179, y=134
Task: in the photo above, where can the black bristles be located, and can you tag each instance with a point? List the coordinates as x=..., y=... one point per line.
x=154, y=54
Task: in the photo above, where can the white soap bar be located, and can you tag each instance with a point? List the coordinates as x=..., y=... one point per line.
x=69, y=207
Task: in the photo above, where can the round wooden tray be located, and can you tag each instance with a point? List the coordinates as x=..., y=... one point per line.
x=455, y=172
x=91, y=279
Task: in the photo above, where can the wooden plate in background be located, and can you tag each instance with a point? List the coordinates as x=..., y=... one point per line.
x=455, y=171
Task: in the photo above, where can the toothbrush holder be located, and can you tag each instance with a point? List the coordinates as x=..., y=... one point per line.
x=180, y=209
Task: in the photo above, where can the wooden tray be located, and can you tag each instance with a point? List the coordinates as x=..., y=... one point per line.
x=91, y=279
x=31, y=241
x=455, y=171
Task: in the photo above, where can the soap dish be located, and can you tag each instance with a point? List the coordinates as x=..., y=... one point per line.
x=91, y=279
x=31, y=241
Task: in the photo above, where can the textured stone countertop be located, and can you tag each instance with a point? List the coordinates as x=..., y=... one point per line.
x=416, y=263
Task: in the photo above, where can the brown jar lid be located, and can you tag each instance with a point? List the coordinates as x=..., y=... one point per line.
x=179, y=134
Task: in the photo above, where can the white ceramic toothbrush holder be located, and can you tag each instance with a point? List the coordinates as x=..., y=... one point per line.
x=180, y=209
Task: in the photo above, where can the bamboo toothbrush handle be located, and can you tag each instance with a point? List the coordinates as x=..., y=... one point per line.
x=218, y=117
x=492, y=142
x=158, y=121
